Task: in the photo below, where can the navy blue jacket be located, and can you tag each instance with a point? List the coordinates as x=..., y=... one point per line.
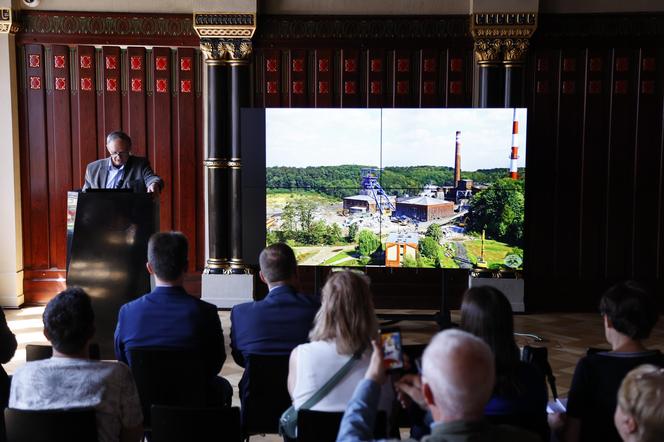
x=273, y=326
x=170, y=317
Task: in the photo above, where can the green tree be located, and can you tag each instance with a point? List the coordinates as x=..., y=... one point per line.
x=434, y=232
x=367, y=242
x=352, y=232
x=499, y=210
x=429, y=247
x=409, y=261
x=333, y=235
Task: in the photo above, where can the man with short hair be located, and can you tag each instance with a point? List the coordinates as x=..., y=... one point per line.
x=457, y=382
x=172, y=318
x=70, y=380
x=121, y=170
x=281, y=321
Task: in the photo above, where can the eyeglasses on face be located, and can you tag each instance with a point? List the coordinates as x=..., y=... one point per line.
x=120, y=154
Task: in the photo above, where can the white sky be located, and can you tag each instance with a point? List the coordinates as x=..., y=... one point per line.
x=411, y=137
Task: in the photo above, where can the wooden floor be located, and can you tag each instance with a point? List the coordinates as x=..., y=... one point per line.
x=567, y=337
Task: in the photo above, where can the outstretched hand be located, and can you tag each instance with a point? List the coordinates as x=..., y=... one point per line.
x=376, y=371
x=154, y=188
x=409, y=388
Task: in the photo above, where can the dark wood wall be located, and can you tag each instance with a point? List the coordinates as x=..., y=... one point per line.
x=74, y=93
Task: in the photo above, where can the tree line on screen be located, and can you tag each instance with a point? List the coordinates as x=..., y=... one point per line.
x=343, y=181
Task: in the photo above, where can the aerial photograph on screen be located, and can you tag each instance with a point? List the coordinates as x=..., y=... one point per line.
x=397, y=187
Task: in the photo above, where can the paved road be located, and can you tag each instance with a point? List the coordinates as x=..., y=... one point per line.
x=461, y=256
x=323, y=253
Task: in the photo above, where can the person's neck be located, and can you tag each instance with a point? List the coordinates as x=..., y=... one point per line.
x=275, y=284
x=440, y=417
x=83, y=354
x=163, y=283
x=624, y=344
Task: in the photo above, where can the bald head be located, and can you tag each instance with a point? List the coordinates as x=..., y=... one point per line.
x=459, y=371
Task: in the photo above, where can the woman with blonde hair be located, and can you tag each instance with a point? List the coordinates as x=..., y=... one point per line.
x=639, y=416
x=344, y=326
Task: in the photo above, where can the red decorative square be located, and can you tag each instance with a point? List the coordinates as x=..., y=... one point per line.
x=298, y=87
x=402, y=87
x=323, y=87
x=649, y=64
x=456, y=65
x=542, y=64
x=350, y=65
x=376, y=65
x=298, y=65
x=569, y=64
x=86, y=61
x=622, y=64
x=271, y=87
x=403, y=65
x=350, y=87
x=136, y=62
x=594, y=87
x=620, y=87
x=58, y=61
x=542, y=87
x=323, y=65
x=136, y=84
x=86, y=84
x=569, y=87
x=111, y=84
x=429, y=87
x=161, y=63
x=376, y=87
x=648, y=87
x=35, y=82
x=595, y=64
x=185, y=86
x=456, y=87
x=60, y=83
x=34, y=60
x=162, y=85
x=185, y=64
x=271, y=65
x=111, y=62
x=430, y=64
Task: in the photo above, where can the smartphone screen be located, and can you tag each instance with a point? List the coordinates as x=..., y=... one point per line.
x=390, y=339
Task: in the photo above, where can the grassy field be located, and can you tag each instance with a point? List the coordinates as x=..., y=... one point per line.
x=301, y=256
x=281, y=197
x=342, y=255
x=494, y=251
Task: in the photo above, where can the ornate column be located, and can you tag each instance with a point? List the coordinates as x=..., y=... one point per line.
x=226, y=44
x=501, y=44
x=11, y=261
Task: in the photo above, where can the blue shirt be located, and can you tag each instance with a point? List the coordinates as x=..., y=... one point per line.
x=115, y=174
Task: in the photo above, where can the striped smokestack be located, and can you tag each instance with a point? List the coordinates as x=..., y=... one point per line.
x=514, y=174
x=457, y=160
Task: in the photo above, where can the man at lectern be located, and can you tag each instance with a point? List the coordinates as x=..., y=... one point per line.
x=121, y=170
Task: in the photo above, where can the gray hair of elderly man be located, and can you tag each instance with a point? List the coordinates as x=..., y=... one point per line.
x=459, y=369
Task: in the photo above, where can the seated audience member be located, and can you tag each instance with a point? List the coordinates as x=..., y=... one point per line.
x=520, y=388
x=281, y=321
x=7, y=350
x=457, y=381
x=630, y=314
x=344, y=325
x=70, y=380
x=169, y=317
x=639, y=416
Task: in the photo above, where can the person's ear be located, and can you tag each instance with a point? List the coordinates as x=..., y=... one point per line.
x=428, y=394
x=630, y=424
x=149, y=267
x=48, y=338
x=607, y=322
x=262, y=277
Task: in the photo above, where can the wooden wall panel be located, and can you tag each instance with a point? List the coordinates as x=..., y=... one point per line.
x=324, y=85
x=375, y=87
x=350, y=80
x=432, y=77
x=109, y=106
x=134, y=98
x=84, y=112
x=159, y=129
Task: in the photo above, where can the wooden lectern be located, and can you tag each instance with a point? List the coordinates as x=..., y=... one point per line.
x=107, y=243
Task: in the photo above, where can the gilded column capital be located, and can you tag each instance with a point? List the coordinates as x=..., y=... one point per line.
x=8, y=23
x=501, y=36
x=225, y=37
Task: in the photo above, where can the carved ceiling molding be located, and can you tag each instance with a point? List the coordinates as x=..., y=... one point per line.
x=225, y=37
x=502, y=37
x=8, y=23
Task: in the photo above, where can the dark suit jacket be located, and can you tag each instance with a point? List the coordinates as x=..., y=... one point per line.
x=7, y=350
x=170, y=317
x=275, y=325
x=138, y=175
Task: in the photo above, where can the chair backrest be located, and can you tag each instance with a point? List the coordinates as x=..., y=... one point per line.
x=37, y=352
x=539, y=357
x=167, y=376
x=266, y=393
x=323, y=426
x=177, y=424
x=75, y=425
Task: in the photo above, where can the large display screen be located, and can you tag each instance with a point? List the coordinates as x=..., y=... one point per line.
x=397, y=187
